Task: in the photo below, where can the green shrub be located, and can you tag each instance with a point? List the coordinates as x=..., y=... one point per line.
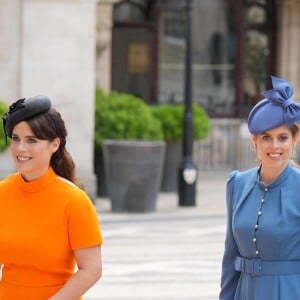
x=3, y=109
x=171, y=118
x=124, y=116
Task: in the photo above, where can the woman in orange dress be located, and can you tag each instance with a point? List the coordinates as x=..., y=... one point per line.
x=50, y=238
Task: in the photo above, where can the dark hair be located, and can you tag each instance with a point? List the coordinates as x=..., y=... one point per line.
x=49, y=126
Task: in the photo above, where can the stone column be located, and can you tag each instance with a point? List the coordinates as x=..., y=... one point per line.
x=104, y=43
x=289, y=43
x=10, y=53
x=58, y=60
x=9, y=49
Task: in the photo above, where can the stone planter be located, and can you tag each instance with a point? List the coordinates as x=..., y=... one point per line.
x=100, y=172
x=133, y=172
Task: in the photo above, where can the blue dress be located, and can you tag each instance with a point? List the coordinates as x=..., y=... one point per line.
x=262, y=246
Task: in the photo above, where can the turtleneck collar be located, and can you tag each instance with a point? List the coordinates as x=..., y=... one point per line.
x=279, y=179
x=37, y=184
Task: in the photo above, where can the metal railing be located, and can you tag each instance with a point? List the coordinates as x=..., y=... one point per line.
x=227, y=147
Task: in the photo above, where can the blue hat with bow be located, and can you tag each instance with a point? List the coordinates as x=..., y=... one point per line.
x=276, y=109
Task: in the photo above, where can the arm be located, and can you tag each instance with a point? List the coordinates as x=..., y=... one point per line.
x=229, y=278
x=89, y=264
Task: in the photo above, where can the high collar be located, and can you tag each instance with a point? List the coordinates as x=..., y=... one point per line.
x=279, y=179
x=37, y=184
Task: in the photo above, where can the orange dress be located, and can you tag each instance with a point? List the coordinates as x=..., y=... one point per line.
x=41, y=223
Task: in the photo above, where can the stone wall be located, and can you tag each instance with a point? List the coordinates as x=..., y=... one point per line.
x=288, y=43
x=48, y=47
x=104, y=43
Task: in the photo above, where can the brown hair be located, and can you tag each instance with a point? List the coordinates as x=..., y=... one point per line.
x=48, y=126
x=295, y=130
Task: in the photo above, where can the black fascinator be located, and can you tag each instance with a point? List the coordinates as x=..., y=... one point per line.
x=24, y=109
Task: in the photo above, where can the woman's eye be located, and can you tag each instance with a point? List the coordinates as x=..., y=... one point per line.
x=15, y=138
x=31, y=141
x=283, y=138
x=265, y=138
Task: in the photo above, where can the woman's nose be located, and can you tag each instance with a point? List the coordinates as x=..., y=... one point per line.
x=275, y=143
x=21, y=146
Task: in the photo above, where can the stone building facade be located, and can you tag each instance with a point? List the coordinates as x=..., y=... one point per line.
x=63, y=48
x=228, y=145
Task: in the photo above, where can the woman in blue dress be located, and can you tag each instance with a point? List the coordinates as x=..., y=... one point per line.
x=262, y=246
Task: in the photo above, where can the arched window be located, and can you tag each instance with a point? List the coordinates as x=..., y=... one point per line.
x=129, y=11
x=260, y=49
x=133, y=48
x=255, y=27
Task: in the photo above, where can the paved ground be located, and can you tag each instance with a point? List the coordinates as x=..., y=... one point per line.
x=172, y=254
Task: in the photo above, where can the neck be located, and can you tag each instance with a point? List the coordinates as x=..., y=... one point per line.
x=268, y=175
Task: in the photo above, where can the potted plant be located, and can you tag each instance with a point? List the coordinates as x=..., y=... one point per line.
x=6, y=164
x=3, y=141
x=171, y=118
x=131, y=140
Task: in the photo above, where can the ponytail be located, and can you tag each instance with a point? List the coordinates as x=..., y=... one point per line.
x=64, y=166
x=49, y=126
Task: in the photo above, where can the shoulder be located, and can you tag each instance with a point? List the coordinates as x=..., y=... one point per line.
x=63, y=183
x=239, y=184
x=69, y=190
x=241, y=176
x=9, y=180
x=293, y=177
x=295, y=170
x=78, y=203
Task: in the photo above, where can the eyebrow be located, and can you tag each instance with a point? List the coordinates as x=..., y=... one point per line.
x=281, y=133
x=27, y=136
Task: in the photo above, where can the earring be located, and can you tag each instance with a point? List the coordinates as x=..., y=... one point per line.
x=293, y=154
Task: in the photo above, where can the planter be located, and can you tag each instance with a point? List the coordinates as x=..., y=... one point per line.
x=99, y=170
x=133, y=174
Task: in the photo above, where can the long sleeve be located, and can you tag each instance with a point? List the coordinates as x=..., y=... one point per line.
x=229, y=278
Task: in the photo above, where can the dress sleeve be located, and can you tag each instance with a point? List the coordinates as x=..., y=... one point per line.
x=83, y=223
x=229, y=277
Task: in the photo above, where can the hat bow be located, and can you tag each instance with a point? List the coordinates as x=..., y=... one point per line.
x=281, y=94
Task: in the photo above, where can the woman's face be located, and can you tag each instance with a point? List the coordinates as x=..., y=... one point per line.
x=275, y=147
x=30, y=154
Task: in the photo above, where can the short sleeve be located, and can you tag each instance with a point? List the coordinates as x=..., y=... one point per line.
x=83, y=222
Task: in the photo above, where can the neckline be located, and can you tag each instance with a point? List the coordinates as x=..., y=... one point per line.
x=37, y=184
x=278, y=180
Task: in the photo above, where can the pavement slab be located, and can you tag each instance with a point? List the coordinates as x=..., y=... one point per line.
x=173, y=253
